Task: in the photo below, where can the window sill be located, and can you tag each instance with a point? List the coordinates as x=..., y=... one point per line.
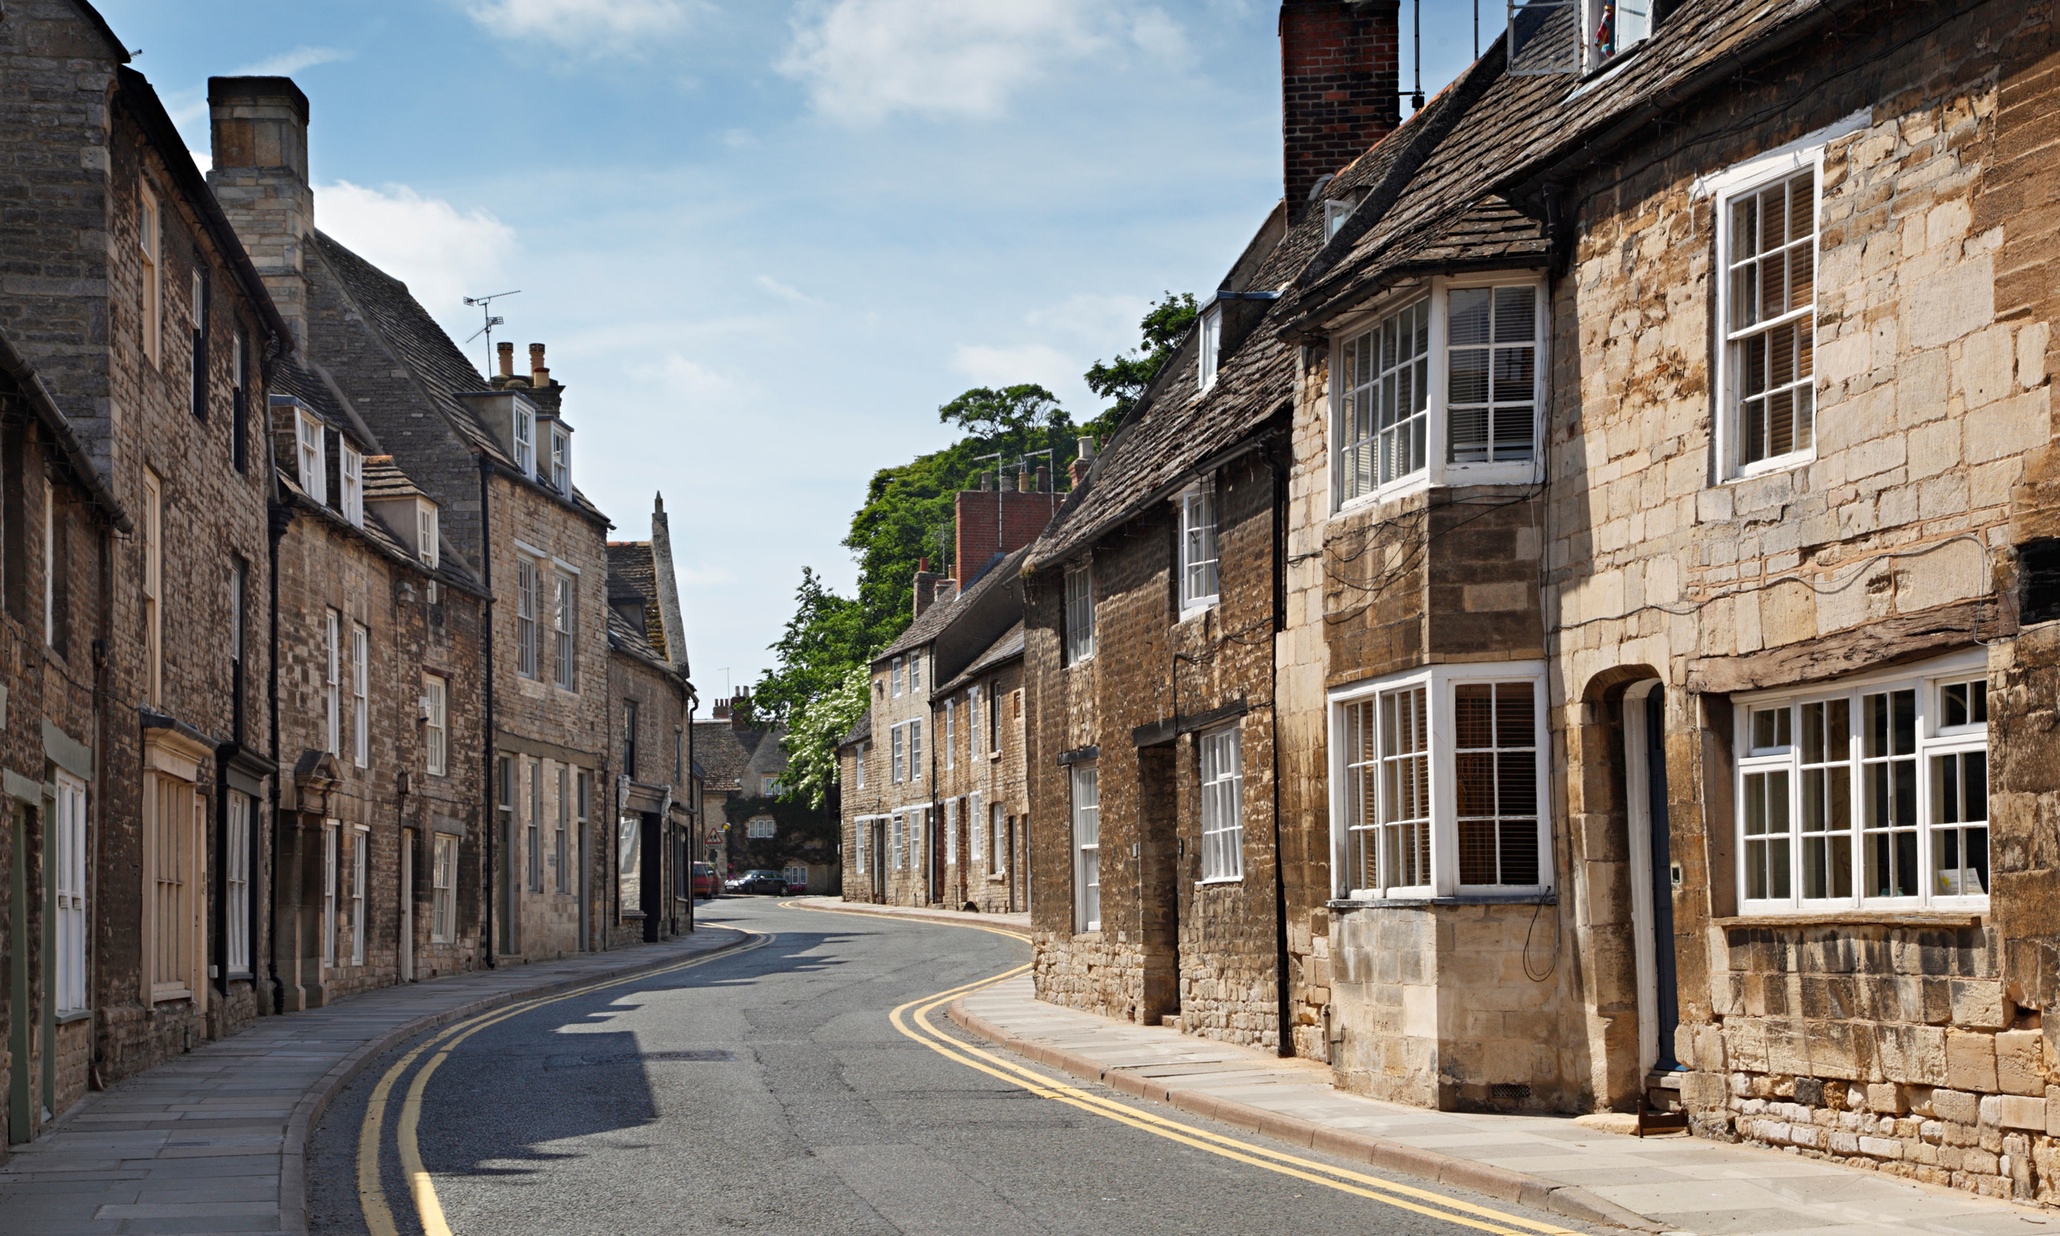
x=1771, y=467
x=1855, y=918
x=1546, y=898
x=1195, y=609
x=1213, y=881
x=66, y=1019
x=996, y=877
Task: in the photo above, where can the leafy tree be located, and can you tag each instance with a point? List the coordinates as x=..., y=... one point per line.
x=1124, y=379
x=987, y=413
x=814, y=729
x=826, y=636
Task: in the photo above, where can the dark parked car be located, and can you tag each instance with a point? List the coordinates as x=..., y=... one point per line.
x=705, y=884
x=762, y=881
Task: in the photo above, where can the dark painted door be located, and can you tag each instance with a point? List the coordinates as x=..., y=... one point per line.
x=1662, y=876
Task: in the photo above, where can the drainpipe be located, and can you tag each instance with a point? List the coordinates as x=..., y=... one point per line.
x=493, y=815
x=282, y=517
x=1283, y=996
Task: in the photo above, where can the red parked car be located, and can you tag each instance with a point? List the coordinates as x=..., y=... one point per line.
x=704, y=880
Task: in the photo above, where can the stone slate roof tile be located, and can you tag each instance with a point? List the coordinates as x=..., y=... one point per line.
x=1002, y=651
x=730, y=754
x=633, y=573
x=861, y=732
x=933, y=620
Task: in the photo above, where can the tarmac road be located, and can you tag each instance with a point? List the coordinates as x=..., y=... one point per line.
x=768, y=1090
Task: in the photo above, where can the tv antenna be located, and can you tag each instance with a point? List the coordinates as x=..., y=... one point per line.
x=486, y=310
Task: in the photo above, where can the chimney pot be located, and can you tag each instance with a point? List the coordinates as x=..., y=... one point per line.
x=1023, y=481
x=1044, y=479
x=507, y=354
x=539, y=373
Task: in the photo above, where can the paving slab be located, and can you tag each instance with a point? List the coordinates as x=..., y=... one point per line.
x=1674, y=1184
x=215, y=1140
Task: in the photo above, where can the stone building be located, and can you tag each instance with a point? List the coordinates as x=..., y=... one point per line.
x=378, y=644
x=58, y=521
x=746, y=821
x=978, y=719
x=495, y=456
x=132, y=299
x=652, y=699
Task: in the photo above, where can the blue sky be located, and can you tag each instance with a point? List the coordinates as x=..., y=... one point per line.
x=765, y=239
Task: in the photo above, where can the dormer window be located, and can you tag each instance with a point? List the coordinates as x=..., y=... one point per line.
x=1614, y=27
x=426, y=535
x=314, y=459
x=561, y=458
x=1212, y=344
x=525, y=440
x=1335, y=212
x=352, y=475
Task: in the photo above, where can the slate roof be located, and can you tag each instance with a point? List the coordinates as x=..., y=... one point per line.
x=633, y=573
x=932, y=621
x=385, y=482
x=29, y=389
x=438, y=368
x=861, y=732
x=308, y=383
x=1439, y=192
x=1002, y=651
x=626, y=639
x=729, y=754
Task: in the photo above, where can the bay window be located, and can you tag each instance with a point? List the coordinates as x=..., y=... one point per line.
x=1441, y=387
x=1868, y=793
x=1438, y=783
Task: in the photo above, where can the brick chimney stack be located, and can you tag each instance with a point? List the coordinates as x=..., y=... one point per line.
x=1340, y=70
x=259, y=136
x=998, y=521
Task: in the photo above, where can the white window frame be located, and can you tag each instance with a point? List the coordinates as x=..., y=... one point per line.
x=360, y=876
x=332, y=684
x=1080, y=611
x=1592, y=54
x=561, y=841
x=565, y=629
x=973, y=720
x=70, y=848
x=951, y=831
x=352, y=474
x=1220, y=760
x=950, y=734
x=150, y=247
x=1209, y=341
x=436, y=718
x=898, y=769
x=899, y=839
x=1438, y=468
x=976, y=824
x=915, y=752
x=1336, y=211
x=1201, y=581
x=915, y=672
x=1439, y=683
x=1084, y=807
x=153, y=531
x=1737, y=182
x=561, y=458
x=894, y=677
x=428, y=537
x=533, y=833
x=523, y=432
x=360, y=695
x=313, y=444
x=997, y=848
x=858, y=766
x=1934, y=741
x=236, y=882
x=331, y=860
x=443, y=888
x=527, y=571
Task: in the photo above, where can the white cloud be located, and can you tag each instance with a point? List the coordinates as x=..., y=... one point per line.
x=1041, y=363
x=287, y=63
x=785, y=292
x=586, y=25
x=865, y=60
x=441, y=253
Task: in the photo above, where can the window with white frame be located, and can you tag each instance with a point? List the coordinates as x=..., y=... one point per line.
x=900, y=840
x=899, y=767
x=894, y=676
x=973, y=720
x=761, y=828
x=1335, y=212
x=523, y=432
x=950, y=733
x=915, y=672
x=858, y=765
x=329, y=873
x=436, y=721
x=998, y=845
x=1079, y=612
x=153, y=530
x=1437, y=783
x=561, y=458
x=863, y=827
x=360, y=703
x=1223, y=818
x=332, y=684
x=313, y=448
x=69, y=846
x=236, y=883
x=360, y=869
x=975, y=826
x=352, y=475
x=1443, y=389
x=1199, y=584
x=915, y=751
x=1087, y=848
x=1613, y=27
x=1210, y=327
x=561, y=842
x=150, y=251
x=565, y=626
x=443, y=889
x=951, y=830
x=427, y=545
x=535, y=830
x=525, y=616
x=994, y=718
x=1767, y=302
x=1867, y=793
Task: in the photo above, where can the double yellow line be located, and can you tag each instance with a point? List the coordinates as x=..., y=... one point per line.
x=913, y=1020
x=428, y=1210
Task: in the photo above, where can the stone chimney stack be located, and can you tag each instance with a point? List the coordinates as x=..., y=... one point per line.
x=260, y=176
x=539, y=375
x=506, y=352
x=1340, y=69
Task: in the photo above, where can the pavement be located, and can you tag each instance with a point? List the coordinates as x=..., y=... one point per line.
x=1573, y=1168
x=1018, y=924
x=215, y=1140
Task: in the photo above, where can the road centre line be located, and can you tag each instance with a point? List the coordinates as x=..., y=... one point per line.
x=372, y=1202
x=917, y=1025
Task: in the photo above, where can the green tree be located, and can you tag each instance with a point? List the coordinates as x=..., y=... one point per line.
x=814, y=729
x=1124, y=379
x=826, y=636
